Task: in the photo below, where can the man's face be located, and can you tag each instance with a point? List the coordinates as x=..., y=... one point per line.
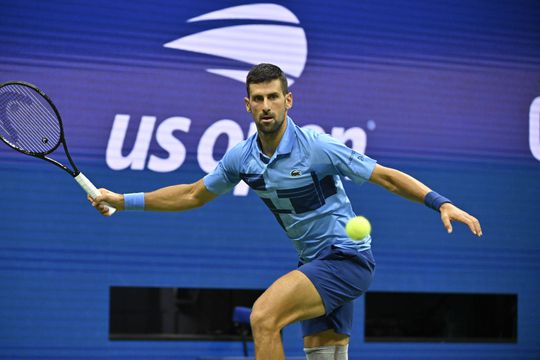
x=268, y=106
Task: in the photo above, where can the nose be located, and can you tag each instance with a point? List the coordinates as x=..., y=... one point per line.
x=266, y=106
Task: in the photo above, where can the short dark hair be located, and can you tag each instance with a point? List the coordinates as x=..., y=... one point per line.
x=264, y=73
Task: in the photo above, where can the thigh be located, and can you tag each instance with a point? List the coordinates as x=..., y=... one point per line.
x=325, y=338
x=291, y=298
x=339, y=322
x=340, y=277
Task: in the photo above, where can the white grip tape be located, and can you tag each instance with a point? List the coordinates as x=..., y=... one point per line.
x=91, y=190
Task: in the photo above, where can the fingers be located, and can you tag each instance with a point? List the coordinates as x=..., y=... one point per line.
x=472, y=223
x=456, y=214
x=104, y=210
x=475, y=227
x=446, y=222
x=100, y=202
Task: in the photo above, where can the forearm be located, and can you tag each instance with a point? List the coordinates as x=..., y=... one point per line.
x=408, y=187
x=403, y=185
x=171, y=198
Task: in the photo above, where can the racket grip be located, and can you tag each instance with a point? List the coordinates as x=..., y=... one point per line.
x=91, y=190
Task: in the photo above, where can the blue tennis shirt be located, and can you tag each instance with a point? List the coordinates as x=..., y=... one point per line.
x=300, y=184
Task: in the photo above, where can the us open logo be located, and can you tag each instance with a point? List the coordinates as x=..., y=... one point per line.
x=267, y=33
x=249, y=44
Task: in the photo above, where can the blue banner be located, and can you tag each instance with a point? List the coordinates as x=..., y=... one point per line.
x=151, y=94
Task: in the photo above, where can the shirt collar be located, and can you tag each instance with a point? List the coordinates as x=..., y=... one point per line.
x=286, y=144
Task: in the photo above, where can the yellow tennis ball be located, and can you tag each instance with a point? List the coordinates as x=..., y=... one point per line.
x=358, y=228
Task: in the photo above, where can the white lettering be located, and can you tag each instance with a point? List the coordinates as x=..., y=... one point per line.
x=205, y=151
x=534, y=128
x=165, y=138
x=137, y=157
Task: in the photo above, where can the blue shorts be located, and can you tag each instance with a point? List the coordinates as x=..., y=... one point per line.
x=340, y=276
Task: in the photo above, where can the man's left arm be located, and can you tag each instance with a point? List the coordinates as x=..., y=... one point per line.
x=410, y=188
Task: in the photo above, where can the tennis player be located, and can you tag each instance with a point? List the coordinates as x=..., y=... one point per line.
x=296, y=172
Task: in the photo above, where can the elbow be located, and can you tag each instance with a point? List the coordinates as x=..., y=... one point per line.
x=384, y=177
x=197, y=203
x=193, y=201
x=388, y=181
x=196, y=198
x=197, y=195
x=391, y=187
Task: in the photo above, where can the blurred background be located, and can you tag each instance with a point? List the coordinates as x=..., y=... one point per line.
x=151, y=94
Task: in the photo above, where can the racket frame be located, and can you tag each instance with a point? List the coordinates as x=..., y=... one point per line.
x=61, y=139
x=76, y=173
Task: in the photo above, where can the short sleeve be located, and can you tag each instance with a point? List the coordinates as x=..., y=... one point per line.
x=226, y=174
x=343, y=160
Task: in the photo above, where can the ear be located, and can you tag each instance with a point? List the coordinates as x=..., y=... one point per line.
x=288, y=100
x=248, y=106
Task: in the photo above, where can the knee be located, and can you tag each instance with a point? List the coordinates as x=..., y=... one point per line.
x=262, y=319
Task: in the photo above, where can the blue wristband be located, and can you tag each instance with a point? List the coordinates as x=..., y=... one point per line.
x=134, y=201
x=434, y=200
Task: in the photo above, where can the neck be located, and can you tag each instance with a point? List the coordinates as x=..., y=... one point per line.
x=270, y=142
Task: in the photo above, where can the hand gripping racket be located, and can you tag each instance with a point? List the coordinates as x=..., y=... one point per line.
x=31, y=124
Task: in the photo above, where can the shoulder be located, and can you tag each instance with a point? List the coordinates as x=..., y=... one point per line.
x=316, y=143
x=240, y=152
x=322, y=141
x=308, y=136
x=312, y=135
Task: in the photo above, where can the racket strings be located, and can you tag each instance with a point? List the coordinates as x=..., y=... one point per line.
x=18, y=114
x=27, y=120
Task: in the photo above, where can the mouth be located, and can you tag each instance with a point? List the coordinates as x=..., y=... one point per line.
x=266, y=117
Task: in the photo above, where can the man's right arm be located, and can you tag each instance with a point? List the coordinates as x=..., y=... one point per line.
x=171, y=198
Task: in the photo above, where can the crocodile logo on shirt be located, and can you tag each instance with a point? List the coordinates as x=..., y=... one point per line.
x=296, y=172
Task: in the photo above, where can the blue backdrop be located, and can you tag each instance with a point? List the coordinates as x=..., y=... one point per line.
x=150, y=96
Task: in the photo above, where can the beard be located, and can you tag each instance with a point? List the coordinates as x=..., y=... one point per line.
x=269, y=127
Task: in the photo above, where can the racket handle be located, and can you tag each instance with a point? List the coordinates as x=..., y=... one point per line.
x=91, y=190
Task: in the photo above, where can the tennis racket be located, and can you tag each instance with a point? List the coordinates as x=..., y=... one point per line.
x=31, y=124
